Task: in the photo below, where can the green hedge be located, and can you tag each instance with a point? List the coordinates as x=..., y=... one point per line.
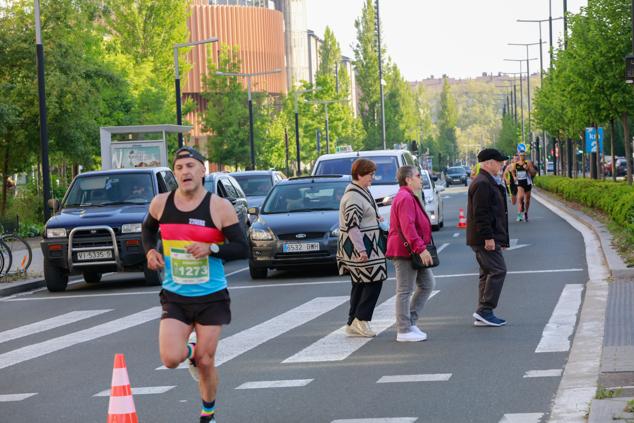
x=614, y=198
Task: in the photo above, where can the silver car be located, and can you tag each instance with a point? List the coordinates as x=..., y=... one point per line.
x=433, y=201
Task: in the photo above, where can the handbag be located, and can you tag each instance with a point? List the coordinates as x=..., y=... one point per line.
x=417, y=262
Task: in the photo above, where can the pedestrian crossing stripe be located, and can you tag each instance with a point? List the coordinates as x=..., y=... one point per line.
x=337, y=346
x=264, y=384
x=437, y=377
x=15, y=397
x=140, y=390
x=561, y=325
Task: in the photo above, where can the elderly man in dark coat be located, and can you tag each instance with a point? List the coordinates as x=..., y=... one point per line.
x=487, y=234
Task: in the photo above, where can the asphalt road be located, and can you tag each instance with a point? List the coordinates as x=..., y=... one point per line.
x=287, y=330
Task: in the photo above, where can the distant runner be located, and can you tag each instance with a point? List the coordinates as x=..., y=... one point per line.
x=509, y=180
x=523, y=172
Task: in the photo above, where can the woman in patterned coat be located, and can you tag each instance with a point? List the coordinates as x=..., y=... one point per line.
x=361, y=248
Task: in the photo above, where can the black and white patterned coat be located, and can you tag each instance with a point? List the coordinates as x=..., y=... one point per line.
x=356, y=210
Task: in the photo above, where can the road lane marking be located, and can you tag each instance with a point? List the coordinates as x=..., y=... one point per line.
x=236, y=272
x=522, y=418
x=442, y=247
x=337, y=346
x=241, y=342
x=15, y=397
x=141, y=390
x=56, y=344
x=282, y=285
x=561, y=326
x=432, y=377
x=265, y=384
x=456, y=235
x=543, y=373
x=379, y=420
x=513, y=245
x=48, y=324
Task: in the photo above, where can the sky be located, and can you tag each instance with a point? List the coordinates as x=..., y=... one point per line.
x=460, y=38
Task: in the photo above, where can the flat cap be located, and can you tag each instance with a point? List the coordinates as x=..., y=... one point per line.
x=490, y=154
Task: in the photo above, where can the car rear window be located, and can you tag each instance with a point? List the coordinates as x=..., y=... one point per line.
x=386, y=167
x=254, y=185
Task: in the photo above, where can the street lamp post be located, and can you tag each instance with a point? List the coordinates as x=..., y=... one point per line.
x=296, y=95
x=528, y=86
x=521, y=93
x=248, y=76
x=378, y=34
x=177, y=81
x=46, y=177
x=326, y=103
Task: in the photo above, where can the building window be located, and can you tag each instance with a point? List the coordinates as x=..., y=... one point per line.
x=252, y=3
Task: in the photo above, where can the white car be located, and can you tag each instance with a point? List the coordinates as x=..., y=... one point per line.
x=433, y=201
x=384, y=186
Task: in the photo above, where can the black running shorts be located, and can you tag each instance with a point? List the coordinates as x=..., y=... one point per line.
x=210, y=310
x=513, y=188
x=525, y=185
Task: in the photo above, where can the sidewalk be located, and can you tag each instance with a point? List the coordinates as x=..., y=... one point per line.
x=608, y=384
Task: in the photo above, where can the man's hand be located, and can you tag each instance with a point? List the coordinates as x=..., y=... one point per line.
x=363, y=256
x=426, y=258
x=489, y=244
x=198, y=249
x=155, y=260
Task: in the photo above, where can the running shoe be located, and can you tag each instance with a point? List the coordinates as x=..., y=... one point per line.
x=526, y=216
x=519, y=217
x=193, y=369
x=489, y=319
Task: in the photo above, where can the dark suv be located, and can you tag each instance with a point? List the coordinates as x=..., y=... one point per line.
x=98, y=227
x=456, y=175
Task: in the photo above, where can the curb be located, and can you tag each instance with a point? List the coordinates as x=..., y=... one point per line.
x=579, y=382
x=22, y=286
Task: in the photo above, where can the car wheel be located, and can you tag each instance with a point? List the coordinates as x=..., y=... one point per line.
x=257, y=272
x=435, y=228
x=56, y=278
x=92, y=277
x=152, y=277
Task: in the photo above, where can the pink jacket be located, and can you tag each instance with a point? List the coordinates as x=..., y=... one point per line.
x=408, y=214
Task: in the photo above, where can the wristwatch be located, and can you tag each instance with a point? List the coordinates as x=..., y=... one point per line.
x=214, y=248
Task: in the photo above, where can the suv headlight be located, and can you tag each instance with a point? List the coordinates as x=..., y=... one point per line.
x=56, y=233
x=335, y=233
x=130, y=228
x=260, y=235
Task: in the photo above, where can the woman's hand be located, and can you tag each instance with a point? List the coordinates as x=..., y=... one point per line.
x=363, y=256
x=426, y=258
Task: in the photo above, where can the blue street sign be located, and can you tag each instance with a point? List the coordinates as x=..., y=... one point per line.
x=521, y=148
x=591, y=141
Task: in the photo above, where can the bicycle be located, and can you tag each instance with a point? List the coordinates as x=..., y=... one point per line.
x=14, y=250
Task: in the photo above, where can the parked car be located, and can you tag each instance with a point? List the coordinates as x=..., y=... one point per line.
x=456, y=175
x=384, y=186
x=297, y=225
x=256, y=184
x=621, y=166
x=98, y=225
x=225, y=186
x=433, y=201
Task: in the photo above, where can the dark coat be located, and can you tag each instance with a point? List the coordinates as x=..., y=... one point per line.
x=487, y=214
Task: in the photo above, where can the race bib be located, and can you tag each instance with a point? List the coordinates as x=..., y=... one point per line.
x=521, y=174
x=188, y=270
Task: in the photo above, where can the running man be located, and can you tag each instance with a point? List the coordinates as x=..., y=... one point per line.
x=523, y=173
x=195, y=227
x=509, y=180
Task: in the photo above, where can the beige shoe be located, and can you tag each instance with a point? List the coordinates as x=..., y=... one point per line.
x=351, y=331
x=363, y=327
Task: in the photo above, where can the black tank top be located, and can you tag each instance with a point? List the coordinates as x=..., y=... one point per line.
x=200, y=214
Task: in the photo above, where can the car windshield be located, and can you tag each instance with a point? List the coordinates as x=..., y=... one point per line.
x=456, y=170
x=304, y=197
x=104, y=190
x=254, y=185
x=386, y=167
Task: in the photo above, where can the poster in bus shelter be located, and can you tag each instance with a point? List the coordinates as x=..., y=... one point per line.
x=126, y=155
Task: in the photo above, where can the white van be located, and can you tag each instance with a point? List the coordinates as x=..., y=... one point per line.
x=384, y=186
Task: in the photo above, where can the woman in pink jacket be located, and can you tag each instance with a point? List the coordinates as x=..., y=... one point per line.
x=408, y=221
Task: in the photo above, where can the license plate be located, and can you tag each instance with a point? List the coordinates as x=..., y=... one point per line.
x=94, y=255
x=300, y=247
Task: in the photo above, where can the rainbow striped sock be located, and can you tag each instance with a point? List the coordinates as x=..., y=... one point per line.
x=208, y=410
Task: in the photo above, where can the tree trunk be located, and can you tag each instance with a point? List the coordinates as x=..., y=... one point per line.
x=612, y=150
x=628, y=146
x=5, y=176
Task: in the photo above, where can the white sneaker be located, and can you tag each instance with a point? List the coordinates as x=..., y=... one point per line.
x=418, y=331
x=410, y=336
x=193, y=370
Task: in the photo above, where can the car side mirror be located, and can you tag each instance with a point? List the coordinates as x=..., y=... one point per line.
x=232, y=200
x=253, y=211
x=53, y=203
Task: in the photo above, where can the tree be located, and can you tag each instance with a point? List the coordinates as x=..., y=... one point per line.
x=447, y=123
x=400, y=108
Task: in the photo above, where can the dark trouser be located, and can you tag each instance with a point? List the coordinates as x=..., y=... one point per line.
x=492, y=274
x=363, y=298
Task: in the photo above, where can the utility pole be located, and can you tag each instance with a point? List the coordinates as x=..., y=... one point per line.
x=378, y=36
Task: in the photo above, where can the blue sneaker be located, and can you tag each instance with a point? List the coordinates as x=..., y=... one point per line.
x=489, y=319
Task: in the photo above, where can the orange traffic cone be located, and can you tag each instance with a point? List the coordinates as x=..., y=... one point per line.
x=462, y=221
x=121, y=406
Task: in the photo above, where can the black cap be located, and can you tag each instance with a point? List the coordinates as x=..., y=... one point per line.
x=188, y=153
x=490, y=154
